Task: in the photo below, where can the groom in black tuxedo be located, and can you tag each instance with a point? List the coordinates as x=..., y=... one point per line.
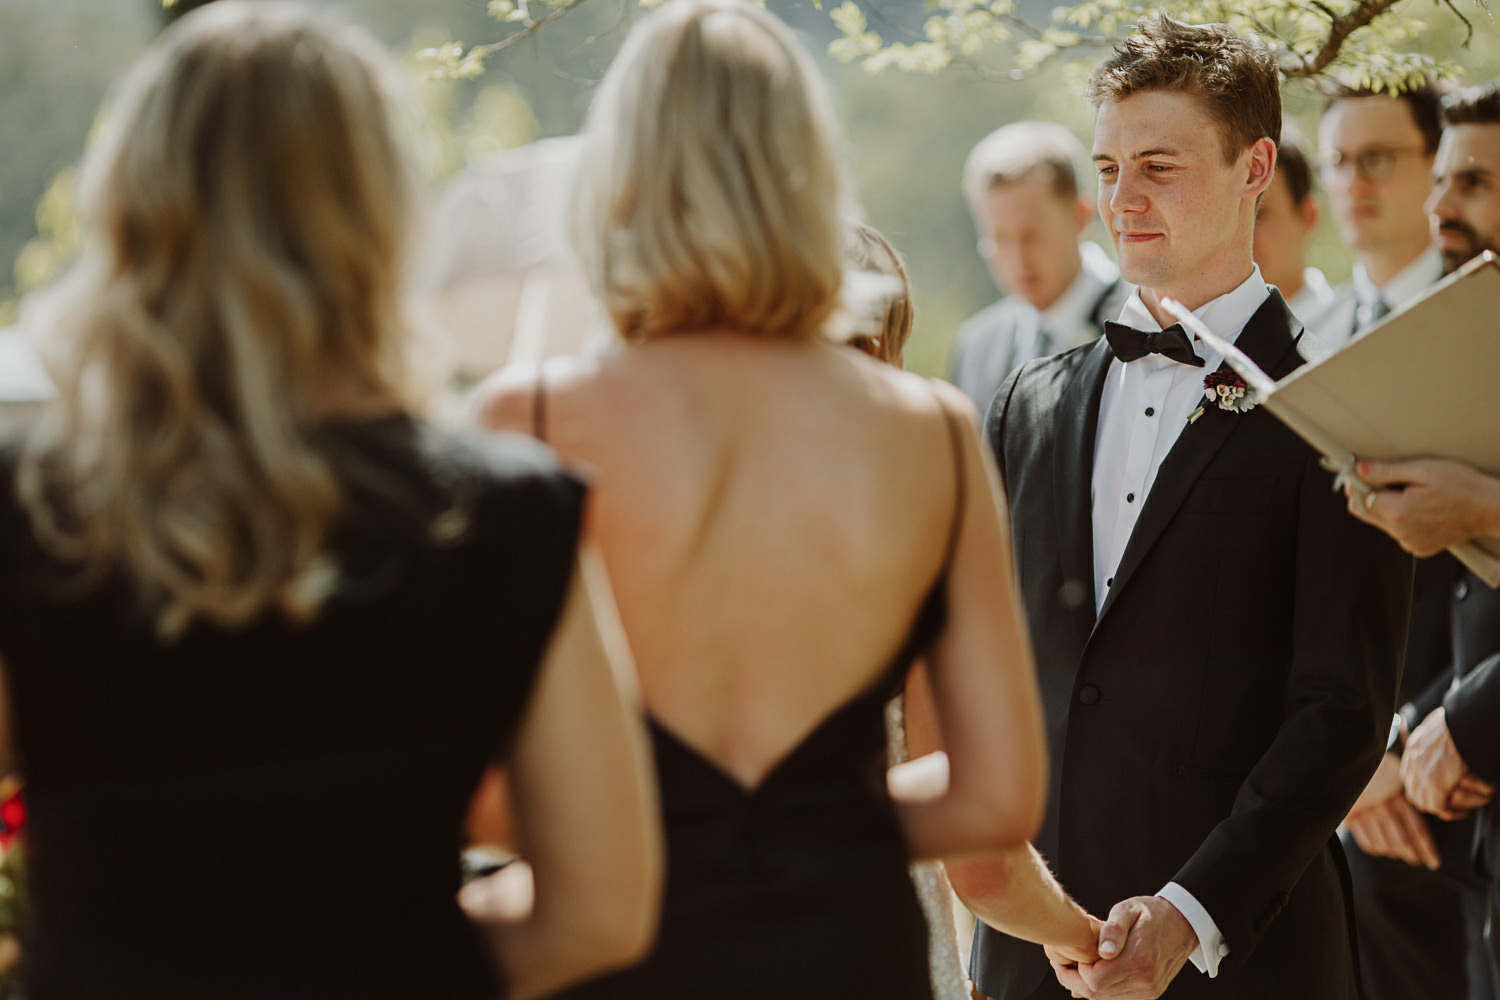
x=1218, y=643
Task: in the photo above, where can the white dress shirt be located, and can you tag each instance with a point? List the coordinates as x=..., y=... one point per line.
x=1144, y=407
x=1066, y=323
x=1409, y=283
x=1313, y=297
x=1357, y=302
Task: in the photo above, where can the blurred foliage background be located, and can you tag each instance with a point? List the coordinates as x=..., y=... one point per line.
x=906, y=133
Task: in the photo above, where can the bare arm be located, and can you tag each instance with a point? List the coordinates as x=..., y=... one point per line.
x=585, y=807
x=983, y=689
x=1015, y=892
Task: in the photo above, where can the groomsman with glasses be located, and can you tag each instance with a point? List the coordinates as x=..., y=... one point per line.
x=1376, y=157
x=1452, y=756
x=1418, y=902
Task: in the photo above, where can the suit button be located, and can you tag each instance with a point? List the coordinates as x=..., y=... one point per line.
x=1461, y=591
x=1089, y=694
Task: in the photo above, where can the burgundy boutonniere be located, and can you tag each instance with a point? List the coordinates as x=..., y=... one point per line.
x=1228, y=391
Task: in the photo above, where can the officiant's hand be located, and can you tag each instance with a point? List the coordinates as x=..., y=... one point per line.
x=1150, y=941
x=1436, y=777
x=1441, y=503
x=1385, y=824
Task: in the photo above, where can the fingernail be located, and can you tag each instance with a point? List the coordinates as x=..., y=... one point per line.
x=1107, y=948
x=1369, y=499
x=1364, y=468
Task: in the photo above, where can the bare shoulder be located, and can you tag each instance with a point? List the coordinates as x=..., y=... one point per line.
x=919, y=394
x=507, y=398
x=954, y=400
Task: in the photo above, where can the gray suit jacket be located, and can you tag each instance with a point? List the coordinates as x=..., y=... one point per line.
x=1331, y=327
x=984, y=349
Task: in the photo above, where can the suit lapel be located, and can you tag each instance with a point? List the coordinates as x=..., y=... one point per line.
x=1073, y=476
x=1269, y=339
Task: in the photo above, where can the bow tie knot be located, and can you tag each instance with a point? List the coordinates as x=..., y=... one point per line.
x=1129, y=343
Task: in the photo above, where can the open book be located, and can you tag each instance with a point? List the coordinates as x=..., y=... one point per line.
x=1424, y=382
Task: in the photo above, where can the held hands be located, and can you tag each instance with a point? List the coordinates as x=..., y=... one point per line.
x=1386, y=824
x=1084, y=951
x=1142, y=946
x=1436, y=778
x=1440, y=502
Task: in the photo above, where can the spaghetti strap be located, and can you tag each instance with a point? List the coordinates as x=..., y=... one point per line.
x=539, y=405
x=956, y=430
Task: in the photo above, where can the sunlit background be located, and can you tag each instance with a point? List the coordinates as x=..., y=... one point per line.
x=906, y=134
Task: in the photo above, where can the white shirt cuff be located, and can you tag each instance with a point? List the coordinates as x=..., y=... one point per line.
x=1211, y=948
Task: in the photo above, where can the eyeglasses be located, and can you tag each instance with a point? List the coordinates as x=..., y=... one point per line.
x=1373, y=164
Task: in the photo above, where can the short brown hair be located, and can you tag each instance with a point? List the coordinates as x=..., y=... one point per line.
x=1478, y=105
x=1424, y=102
x=1235, y=77
x=1292, y=165
x=1017, y=150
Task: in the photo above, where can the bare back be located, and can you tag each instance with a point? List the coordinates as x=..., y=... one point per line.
x=771, y=515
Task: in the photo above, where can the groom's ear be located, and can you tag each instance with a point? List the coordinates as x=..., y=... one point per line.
x=1260, y=167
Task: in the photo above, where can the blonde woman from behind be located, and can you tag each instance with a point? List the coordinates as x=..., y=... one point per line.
x=261, y=627
x=787, y=524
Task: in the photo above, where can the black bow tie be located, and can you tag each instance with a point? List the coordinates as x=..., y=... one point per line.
x=1128, y=343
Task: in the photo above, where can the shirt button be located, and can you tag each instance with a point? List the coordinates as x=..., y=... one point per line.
x=1089, y=694
x=1150, y=411
x=1110, y=582
x=1461, y=591
x=1130, y=498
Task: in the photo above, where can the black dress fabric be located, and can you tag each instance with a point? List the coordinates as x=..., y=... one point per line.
x=276, y=811
x=797, y=889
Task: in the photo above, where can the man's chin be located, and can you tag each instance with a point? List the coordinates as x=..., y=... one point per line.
x=1143, y=270
x=1455, y=258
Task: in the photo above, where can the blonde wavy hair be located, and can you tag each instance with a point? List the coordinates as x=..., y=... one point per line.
x=709, y=195
x=247, y=205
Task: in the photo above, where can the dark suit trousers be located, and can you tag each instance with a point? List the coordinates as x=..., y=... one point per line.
x=1420, y=932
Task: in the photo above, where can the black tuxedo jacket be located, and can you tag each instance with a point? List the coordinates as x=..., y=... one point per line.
x=1473, y=704
x=1213, y=721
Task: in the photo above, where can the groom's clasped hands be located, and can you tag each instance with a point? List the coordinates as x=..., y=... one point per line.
x=1142, y=946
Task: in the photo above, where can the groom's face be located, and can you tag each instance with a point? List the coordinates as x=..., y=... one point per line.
x=1170, y=203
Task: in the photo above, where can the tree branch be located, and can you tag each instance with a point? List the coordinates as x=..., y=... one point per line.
x=532, y=27
x=1468, y=25
x=1339, y=31
x=880, y=16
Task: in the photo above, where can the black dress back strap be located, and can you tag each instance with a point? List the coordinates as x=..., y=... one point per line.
x=539, y=405
x=957, y=428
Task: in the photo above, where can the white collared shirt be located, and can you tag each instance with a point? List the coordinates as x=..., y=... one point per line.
x=1313, y=297
x=1066, y=323
x=1144, y=408
x=1410, y=282
x=1354, y=307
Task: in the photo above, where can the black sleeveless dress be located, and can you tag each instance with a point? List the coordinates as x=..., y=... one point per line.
x=799, y=888
x=276, y=811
